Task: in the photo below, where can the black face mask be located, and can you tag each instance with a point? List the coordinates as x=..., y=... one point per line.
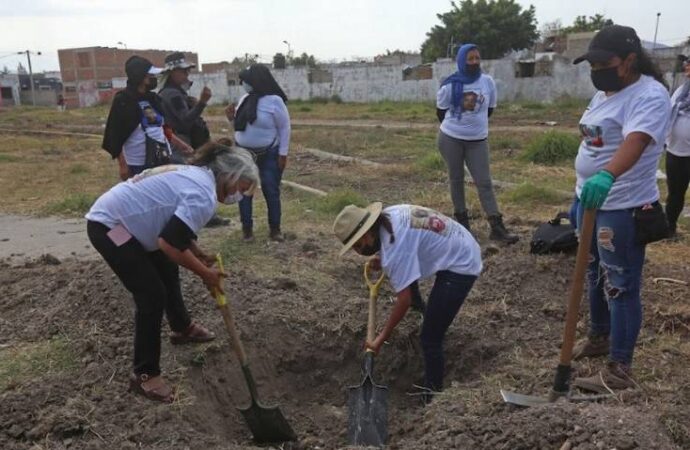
x=152, y=84
x=370, y=250
x=607, y=80
x=472, y=69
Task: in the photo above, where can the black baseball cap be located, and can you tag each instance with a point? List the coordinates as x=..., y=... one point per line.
x=614, y=40
x=137, y=68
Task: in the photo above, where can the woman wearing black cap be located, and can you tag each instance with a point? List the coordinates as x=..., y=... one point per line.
x=135, y=133
x=623, y=131
x=262, y=126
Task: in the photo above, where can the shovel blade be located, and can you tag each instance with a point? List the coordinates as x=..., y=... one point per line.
x=268, y=425
x=368, y=414
x=523, y=400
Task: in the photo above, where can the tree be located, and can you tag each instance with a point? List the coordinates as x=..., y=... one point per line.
x=279, y=61
x=248, y=60
x=593, y=23
x=5, y=70
x=21, y=70
x=303, y=60
x=496, y=26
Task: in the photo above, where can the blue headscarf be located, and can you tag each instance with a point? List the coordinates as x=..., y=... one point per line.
x=460, y=78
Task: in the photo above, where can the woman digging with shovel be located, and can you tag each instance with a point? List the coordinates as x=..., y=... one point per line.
x=413, y=243
x=623, y=131
x=146, y=227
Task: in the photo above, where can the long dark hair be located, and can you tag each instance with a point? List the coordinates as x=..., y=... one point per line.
x=384, y=222
x=646, y=66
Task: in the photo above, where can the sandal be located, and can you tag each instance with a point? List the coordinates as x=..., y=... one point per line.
x=194, y=333
x=153, y=388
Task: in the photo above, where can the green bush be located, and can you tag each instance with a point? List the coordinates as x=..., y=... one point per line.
x=334, y=202
x=551, y=148
x=304, y=109
x=335, y=98
x=528, y=193
x=72, y=204
x=431, y=161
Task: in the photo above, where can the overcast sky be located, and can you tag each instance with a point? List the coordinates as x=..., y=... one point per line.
x=221, y=29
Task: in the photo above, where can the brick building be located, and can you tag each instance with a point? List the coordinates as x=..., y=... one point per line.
x=88, y=72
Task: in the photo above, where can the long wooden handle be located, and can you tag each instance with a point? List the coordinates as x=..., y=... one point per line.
x=577, y=287
x=373, y=295
x=229, y=321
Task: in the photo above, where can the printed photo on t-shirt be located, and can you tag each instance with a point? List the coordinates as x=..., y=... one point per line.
x=428, y=219
x=149, y=116
x=592, y=135
x=472, y=101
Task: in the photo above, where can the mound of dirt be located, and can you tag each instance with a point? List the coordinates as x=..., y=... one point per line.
x=304, y=339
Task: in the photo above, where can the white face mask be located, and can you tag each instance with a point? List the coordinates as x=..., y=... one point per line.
x=187, y=85
x=232, y=198
x=247, y=87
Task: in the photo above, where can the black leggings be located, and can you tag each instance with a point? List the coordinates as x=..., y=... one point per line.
x=154, y=281
x=677, y=178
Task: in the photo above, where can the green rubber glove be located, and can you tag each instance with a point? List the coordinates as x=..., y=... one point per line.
x=596, y=189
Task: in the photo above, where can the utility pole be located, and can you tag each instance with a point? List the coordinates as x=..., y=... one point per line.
x=656, y=30
x=289, y=53
x=31, y=75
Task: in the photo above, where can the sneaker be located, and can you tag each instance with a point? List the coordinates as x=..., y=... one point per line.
x=615, y=376
x=591, y=346
x=194, y=334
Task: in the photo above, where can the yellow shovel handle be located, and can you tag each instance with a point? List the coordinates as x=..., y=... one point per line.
x=375, y=285
x=220, y=297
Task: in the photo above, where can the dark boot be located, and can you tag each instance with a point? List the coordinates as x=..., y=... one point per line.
x=463, y=219
x=276, y=235
x=499, y=232
x=247, y=234
x=616, y=376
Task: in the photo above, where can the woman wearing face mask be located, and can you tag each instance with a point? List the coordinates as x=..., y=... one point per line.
x=262, y=126
x=678, y=152
x=414, y=243
x=623, y=131
x=464, y=104
x=129, y=132
x=146, y=227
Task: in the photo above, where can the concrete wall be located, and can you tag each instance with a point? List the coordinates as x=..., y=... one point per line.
x=43, y=98
x=10, y=81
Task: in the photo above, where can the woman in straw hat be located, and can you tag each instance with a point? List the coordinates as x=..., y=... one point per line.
x=411, y=243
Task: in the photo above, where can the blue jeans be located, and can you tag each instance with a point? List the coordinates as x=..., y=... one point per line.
x=446, y=297
x=270, y=175
x=614, y=279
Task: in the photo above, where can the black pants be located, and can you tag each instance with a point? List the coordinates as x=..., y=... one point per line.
x=446, y=297
x=677, y=178
x=154, y=281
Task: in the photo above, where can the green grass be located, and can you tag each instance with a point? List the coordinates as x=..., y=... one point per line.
x=335, y=201
x=431, y=161
x=34, y=360
x=528, y=194
x=551, y=148
x=8, y=158
x=71, y=204
x=78, y=169
x=504, y=143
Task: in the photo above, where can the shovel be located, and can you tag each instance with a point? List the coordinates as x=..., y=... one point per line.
x=368, y=402
x=266, y=424
x=561, y=383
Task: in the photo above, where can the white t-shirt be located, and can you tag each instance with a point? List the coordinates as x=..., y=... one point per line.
x=146, y=202
x=152, y=122
x=426, y=242
x=477, y=98
x=272, y=125
x=641, y=107
x=679, y=135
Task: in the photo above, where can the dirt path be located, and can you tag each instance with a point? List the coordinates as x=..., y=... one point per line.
x=23, y=237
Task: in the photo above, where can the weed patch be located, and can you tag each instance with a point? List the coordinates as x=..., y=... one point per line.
x=528, y=193
x=32, y=360
x=551, y=148
x=72, y=204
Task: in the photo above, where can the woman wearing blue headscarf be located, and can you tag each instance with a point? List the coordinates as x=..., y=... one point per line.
x=464, y=103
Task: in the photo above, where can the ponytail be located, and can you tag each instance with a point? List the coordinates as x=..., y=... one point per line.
x=646, y=66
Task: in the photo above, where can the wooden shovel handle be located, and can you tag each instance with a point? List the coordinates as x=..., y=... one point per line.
x=373, y=295
x=577, y=286
x=229, y=320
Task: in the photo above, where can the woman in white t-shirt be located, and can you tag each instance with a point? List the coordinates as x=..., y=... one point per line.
x=623, y=131
x=146, y=227
x=262, y=126
x=678, y=152
x=414, y=243
x=464, y=103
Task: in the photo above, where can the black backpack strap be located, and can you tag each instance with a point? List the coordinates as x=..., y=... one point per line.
x=559, y=217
